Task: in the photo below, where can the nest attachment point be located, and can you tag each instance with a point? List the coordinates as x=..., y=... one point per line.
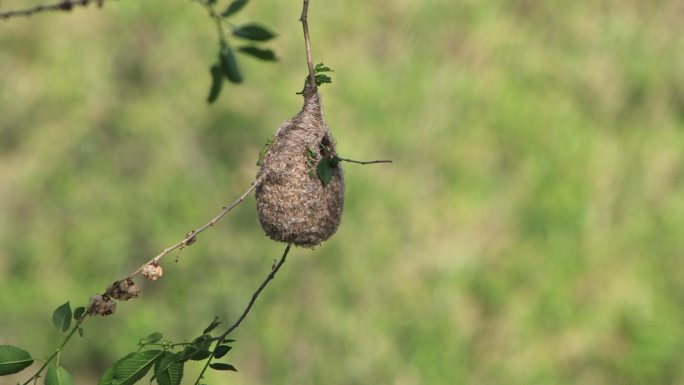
x=294, y=205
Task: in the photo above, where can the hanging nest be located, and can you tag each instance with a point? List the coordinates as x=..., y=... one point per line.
x=297, y=204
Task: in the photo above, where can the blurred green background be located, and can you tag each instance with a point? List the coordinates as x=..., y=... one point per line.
x=529, y=231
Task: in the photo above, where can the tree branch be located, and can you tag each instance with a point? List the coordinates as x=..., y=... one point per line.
x=364, y=162
x=191, y=237
x=64, y=5
x=59, y=349
x=307, y=42
x=269, y=277
x=219, y=340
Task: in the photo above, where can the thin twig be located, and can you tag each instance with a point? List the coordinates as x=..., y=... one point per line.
x=192, y=236
x=56, y=353
x=364, y=162
x=218, y=20
x=64, y=5
x=269, y=277
x=307, y=42
x=188, y=240
x=219, y=340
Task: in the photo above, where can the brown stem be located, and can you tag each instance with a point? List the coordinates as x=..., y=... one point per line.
x=56, y=353
x=364, y=162
x=269, y=277
x=63, y=5
x=307, y=42
x=192, y=236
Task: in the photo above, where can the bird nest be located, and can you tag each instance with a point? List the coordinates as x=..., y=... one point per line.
x=295, y=203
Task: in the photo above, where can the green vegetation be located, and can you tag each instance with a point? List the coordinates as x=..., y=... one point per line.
x=529, y=231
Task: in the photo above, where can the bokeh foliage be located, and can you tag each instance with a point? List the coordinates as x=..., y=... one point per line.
x=528, y=233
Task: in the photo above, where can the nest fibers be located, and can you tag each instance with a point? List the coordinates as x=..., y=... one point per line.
x=294, y=205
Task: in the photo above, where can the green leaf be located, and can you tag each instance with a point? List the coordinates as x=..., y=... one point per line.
x=321, y=79
x=254, y=32
x=263, y=151
x=221, y=351
x=152, y=338
x=235, y=6
x=229, y=64
x=320, y=67
x=198, y=351
x=78, y=312
x=325, y=171
x=263, y=54
x=222, y=366
x=202, y=342
x=199, y=354
x=163, y=364
x=131, y=369
x=13, y=359
x=80, y=332
x=61, y=317
x=107, y=378
x=334, y=161
x=212, y=325
x=168, y=371
x=58, y=376
x=216, y=83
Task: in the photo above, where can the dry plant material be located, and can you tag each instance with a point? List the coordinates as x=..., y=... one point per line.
x=296, y=203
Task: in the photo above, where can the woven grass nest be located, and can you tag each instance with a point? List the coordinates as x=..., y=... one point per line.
x=293, y=203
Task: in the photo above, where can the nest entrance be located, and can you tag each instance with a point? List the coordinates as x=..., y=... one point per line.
x=294, y=205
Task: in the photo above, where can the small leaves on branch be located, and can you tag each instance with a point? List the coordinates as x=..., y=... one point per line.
x=79, y=313
x=229, y=64
x=319, y=71
x=168, y=365
x=221, y=351
x=259, y=53
x=216, y=83
x=319, y=74
x=235, y=6
x=212, y=326
x=61, y=317
x=150, y=339
x=227, y=67
x=254, y=32
x=222, y=366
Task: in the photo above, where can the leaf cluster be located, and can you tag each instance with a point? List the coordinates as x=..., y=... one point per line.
x=166, y=359
x=226, y=67
x=319, y=71
x=320, y=75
